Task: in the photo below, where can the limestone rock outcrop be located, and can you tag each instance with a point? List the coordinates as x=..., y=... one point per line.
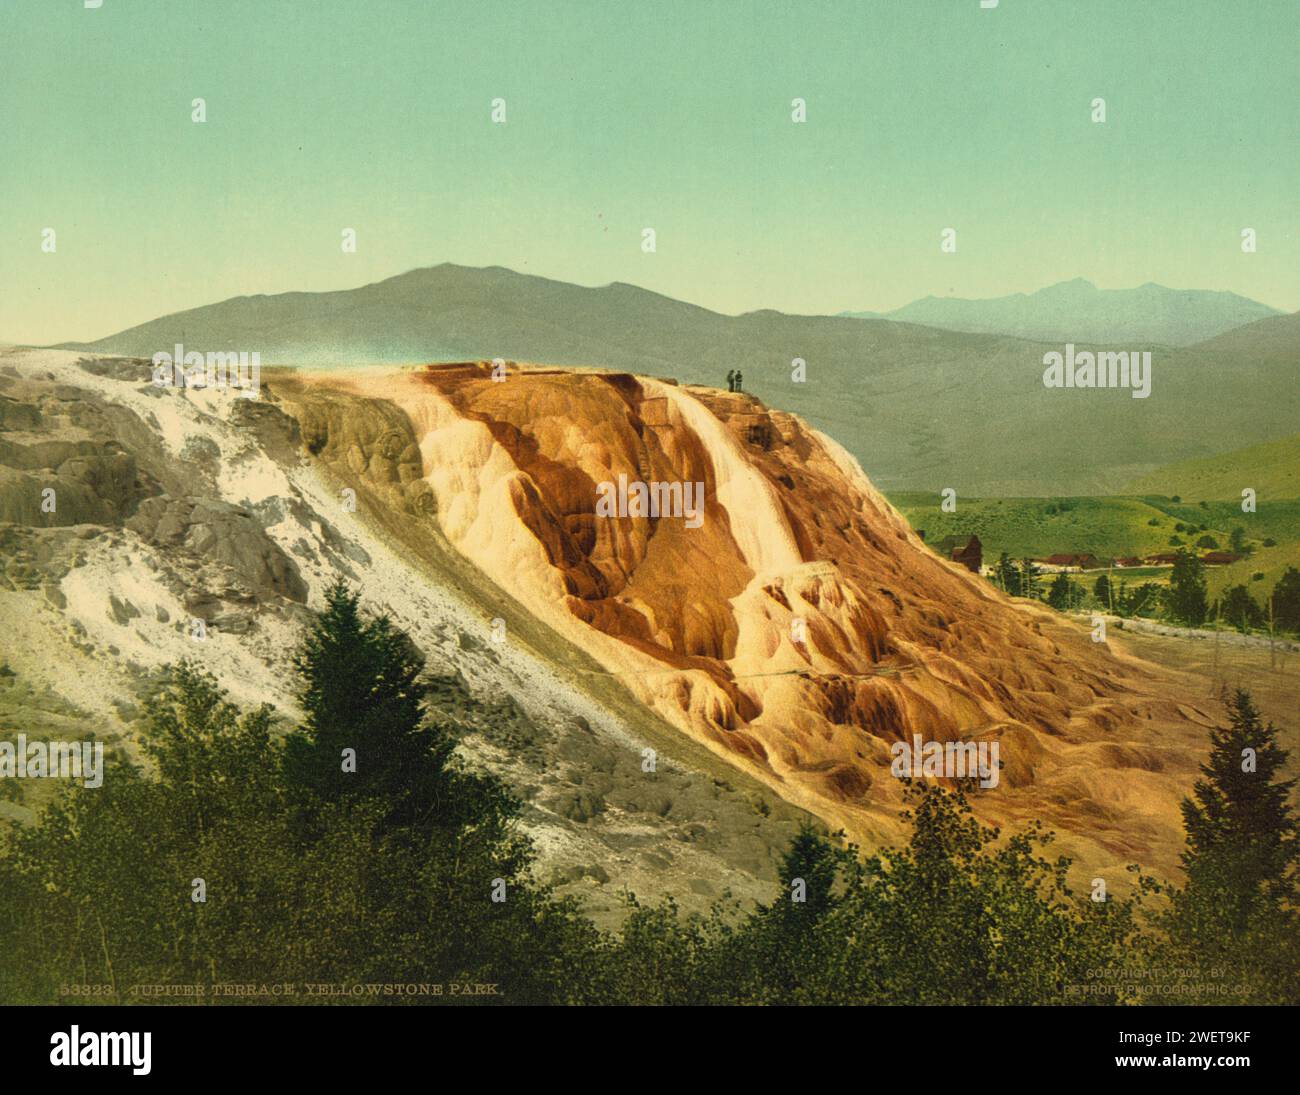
x=216, y=532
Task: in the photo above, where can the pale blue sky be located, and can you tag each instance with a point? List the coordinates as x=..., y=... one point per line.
x=921, y=115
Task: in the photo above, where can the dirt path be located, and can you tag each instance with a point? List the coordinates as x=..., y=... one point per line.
x=1221, y=636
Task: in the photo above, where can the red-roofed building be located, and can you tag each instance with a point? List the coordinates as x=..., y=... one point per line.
x=1219, y=558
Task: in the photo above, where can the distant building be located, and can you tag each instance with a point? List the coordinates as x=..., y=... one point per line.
x=1162, y=559
x=1219, y=558
x=1128, y=561
x=971, y=556
x=1075, y=561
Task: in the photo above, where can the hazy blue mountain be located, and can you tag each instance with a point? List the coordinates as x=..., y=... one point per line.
x=922, y=408
x=1077, y=311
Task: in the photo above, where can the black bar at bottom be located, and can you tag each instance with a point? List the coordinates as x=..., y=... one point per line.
x=339, y=1044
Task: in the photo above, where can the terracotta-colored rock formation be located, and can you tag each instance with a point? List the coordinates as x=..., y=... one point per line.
x=802, y=628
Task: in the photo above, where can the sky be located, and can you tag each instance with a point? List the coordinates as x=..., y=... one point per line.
x=921, y=115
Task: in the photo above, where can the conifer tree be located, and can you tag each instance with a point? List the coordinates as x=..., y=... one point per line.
x=1029, y=573
x=365, y=733
x=1187, y=598
x=1241, y=836
x=1234, y=924
x=1061, y=593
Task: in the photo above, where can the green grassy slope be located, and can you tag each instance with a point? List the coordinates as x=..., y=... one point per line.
x=1107, y=527
x=1269, y=562
x=1271, y=469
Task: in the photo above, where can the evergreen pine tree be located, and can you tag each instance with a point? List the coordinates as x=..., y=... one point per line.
x=1239, y=609
x=1061, y=594
x=1286, y=601
x=1007, y=575
x=1241, y=836
x=1029, y=573
x=1187, y=599
x=1234, y=925
x=1101, y=591
x=361, y=693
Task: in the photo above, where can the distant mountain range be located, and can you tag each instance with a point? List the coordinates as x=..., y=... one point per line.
x=921, y=408
x=1077, y=311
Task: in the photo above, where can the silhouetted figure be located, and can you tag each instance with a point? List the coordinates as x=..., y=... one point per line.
x=731, y=380
x=739, y=374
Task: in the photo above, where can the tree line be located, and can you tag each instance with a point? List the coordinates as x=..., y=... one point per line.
x=1185, y=600
x=358, y=849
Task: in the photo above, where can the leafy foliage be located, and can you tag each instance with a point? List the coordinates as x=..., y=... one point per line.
x=1187, y=600
x=1286, y=601
x=386, y=876
x=1238, y=609
x=1234, y=924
